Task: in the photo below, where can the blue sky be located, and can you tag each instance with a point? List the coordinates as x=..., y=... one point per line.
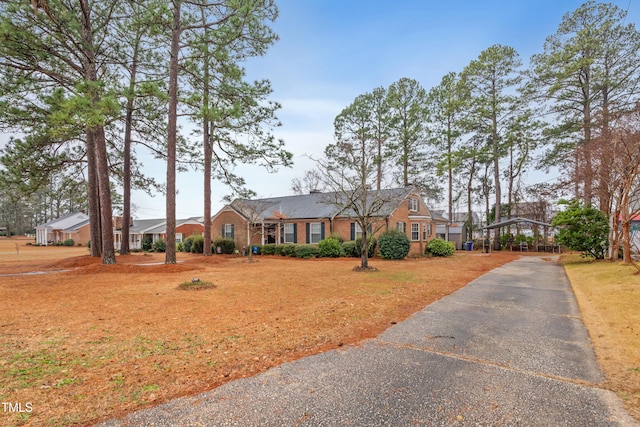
x=331, y=51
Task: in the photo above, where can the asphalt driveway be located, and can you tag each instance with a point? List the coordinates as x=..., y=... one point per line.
x=508, y=349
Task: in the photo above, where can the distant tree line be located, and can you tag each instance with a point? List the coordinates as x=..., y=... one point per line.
x=484, y=127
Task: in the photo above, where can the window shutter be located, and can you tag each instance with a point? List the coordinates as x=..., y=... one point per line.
x=223, y=235
x=370, y=229
x=353, y=231
x=295, y=233
x=308, y=232
x=232, y=231
x=322, y=231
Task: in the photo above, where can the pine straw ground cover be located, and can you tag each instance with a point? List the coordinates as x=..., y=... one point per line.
x=96, y=341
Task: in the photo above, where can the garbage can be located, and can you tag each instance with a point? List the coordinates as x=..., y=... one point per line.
x=255, y=250
x=468, y=246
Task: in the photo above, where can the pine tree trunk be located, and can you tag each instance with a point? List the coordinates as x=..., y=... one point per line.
x=94, y=203
x=170, y=254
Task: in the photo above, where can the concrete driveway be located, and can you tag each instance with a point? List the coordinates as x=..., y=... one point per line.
x=508, y=349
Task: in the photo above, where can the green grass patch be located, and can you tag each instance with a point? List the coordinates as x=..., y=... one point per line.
x=196, y=285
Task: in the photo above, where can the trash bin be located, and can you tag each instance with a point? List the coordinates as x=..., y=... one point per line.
x=255, y=250
x=468, y=246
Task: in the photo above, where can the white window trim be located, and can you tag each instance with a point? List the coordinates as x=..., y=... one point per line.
x=417, y=231
x=317, y=233
x=413, y=204
x=291, y=233
x=357, y=231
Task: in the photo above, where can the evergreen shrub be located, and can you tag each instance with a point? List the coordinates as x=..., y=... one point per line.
x=330, y=248
x=440, y=247
x=307, y=251
x=227, y=246
x=394, y=245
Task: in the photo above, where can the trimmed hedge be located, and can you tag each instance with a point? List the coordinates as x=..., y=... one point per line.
x=440, y=247
x=349, y=249
x=330, y=248
x=394, y=245
x=227, y=246
x=307, y=251
x=68, y=242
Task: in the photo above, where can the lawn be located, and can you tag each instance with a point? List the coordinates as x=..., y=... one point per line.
x=86, y=342
x=609, y=299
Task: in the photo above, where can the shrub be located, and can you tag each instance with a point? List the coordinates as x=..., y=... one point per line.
x=336, y=236
x=440, y=247
x=228, y=246
x=268, y=249
x=306, y=251
x=146, y=243
x=68, y=242
x=287, y=250
x=159, y=245
x=186, y=245
x=371, y=248
x=330, y=248
x=582, y=228
x=349, y=249
x=394, y=245
x=195, y=244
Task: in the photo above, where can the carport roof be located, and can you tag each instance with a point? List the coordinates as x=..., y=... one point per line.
x=512, y=221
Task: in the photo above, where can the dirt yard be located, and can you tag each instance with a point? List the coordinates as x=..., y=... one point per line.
x=83, y=342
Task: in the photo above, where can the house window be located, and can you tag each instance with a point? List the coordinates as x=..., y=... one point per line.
x=315, y=232
x=357, y=231
x=413, y=204
x=415, y=231
x=227, y=231
x=401, y=227
x=178, y=237
x=290, y=233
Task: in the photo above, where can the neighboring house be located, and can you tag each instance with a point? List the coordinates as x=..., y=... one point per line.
x=73, y=226
x=155, y=229
x=76, y=227
x=458, y=227
x=309, y=218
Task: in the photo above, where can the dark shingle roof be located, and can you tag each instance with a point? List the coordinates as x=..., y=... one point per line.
x=313, y=205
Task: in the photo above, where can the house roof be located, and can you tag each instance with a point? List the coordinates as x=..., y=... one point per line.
x=75, y=227
x=158, y=226
x=313, y=205
x=65, y=222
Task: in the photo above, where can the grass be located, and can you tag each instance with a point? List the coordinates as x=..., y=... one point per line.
x=609, y=298
x=196, y=285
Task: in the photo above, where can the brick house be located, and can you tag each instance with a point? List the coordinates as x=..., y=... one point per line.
x=310, y=218
x=72, y=226
x=155, y=229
